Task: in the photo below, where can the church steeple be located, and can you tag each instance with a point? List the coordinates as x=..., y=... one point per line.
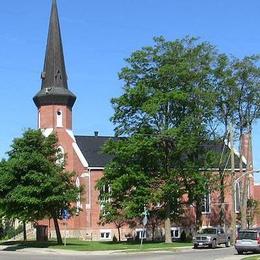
x=54, y=89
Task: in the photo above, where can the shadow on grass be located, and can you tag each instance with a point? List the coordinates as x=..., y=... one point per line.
x=18, y=245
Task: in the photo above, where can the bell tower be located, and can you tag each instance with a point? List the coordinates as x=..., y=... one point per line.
x=54, y=100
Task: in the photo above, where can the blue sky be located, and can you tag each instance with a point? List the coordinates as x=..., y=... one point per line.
x=97, y=36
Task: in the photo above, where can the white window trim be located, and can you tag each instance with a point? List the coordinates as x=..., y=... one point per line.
x=107, y=200
x=80, y=155
x=105, y=231
x=179, y=232
x=79, y=206
x=205, y=204
x=140, y=230
x=61, y=160
x=59, y=118
x=237, y=184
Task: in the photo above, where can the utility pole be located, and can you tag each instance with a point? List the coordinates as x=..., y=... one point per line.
x=233, y=189
x=246, y=180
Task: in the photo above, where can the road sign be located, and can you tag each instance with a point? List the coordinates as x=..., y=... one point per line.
x=145, y=219
x=65, y=214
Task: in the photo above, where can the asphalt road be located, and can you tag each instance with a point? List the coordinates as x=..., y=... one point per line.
x=190, y=254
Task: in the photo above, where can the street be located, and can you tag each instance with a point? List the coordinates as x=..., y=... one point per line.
x=187, y=254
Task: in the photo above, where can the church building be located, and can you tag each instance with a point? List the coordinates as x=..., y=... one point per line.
x=55, y=102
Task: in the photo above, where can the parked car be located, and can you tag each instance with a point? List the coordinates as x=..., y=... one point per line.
x=248, y=240
x=211, y=237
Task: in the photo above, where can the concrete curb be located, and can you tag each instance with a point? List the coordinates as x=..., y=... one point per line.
x=105, y=252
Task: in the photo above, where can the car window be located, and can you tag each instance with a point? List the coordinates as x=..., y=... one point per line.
x=208, y=231
x=247, y=235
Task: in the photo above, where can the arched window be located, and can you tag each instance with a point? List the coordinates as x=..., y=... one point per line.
x=206, y=206
x=237, y=196
x=78, y=198
x=59, y=118
x=60, y=155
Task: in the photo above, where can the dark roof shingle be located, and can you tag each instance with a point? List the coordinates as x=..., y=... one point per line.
x=91, y=147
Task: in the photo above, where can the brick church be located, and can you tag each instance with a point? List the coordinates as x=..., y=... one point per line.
x=55, y=103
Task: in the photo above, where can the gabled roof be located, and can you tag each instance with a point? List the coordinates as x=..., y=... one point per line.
x=91, y=147
x=218, y=149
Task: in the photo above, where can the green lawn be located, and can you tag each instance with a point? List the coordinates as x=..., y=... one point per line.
x=79, y=245
x=256, y=257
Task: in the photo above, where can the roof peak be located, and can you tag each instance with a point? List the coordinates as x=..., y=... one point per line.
x=54, y=77
x=54, y=72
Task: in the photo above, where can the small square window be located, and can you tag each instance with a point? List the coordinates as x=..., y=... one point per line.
x=105, y=235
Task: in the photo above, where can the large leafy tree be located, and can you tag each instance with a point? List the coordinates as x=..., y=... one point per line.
x=247, y=75
x=238, y=103
x=225, y=110
x=33, y=181
x=164, y=112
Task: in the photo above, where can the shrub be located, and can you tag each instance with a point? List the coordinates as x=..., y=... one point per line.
x=183, y=236
x=189, y=238
x=114, y=239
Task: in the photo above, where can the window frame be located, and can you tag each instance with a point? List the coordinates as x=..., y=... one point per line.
x=206, y=207
x=105, y=234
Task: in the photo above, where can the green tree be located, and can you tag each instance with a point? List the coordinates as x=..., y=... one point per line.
x=247, y=75
x=238, y=103
x=33, y=182
x=111, y=214
x=225, y=113
x=111, y=210
x=164, y=112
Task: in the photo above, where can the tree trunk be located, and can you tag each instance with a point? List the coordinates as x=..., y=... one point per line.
x=57, y=229
x=167, y=226
x=246, y=182
x=242, y=187
x=198, y=215
x=153, y=231
x=119, y=235
x=222, y=199
x=24, y=231
x=222, y=182
x=244, y=204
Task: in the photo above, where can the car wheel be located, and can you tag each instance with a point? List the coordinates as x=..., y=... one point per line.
x=240, y=252
x=214, y=244
x=195, y=246
x=227, y=244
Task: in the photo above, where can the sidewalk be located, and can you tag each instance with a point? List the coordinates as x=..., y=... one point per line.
x=17, y=248
x=234, y=257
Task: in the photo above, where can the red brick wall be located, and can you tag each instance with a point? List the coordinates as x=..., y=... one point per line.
x=87, y=221
x=48, y=116
x=257, y=197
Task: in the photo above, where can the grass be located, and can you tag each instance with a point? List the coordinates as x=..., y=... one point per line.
x=256, y=257
x=80, y=245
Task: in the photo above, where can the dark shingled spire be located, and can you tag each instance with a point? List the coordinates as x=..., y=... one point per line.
x=54, y=89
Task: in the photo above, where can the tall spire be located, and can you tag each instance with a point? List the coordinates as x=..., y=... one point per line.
x=54, y=89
